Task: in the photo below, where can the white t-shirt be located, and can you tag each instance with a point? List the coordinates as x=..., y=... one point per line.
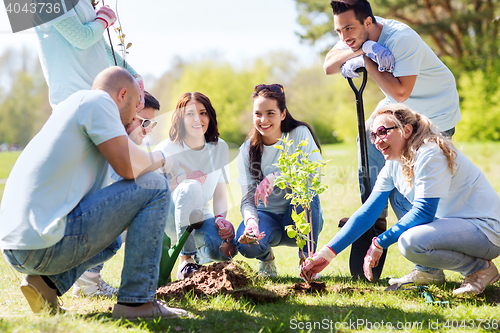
x=212, y=159
x=270, y=156
x=435, y=93
x=58, y=168
x=464, y=194
x=66, y=68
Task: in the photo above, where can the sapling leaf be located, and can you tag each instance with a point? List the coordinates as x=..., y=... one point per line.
x=301, y=243
x=291, y=233
x=129, y=45
x=280, y=147
x=305, y=228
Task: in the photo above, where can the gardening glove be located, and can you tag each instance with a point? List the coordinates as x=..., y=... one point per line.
x=318, y=262
x=226, y=229
x=371, y=259
x=105, y=16
x=197, y=175
x=252, y=229
x=141, y=85
x=349, y=68
x=265, y=188
x=380, y=54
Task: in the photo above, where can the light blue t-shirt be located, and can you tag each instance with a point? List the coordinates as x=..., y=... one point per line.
x=464, y=194
x=58, y=168
x=270, y=156
x=435, y=93
x=66, y=68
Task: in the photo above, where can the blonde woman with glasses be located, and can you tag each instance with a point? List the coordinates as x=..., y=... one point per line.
x=453, y=223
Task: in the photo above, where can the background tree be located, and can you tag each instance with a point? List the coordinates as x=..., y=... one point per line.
x=23, y=97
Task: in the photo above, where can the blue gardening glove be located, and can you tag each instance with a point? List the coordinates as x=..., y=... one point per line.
x=348, y=69
x=380, y=54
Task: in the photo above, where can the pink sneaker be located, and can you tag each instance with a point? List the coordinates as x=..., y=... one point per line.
x=477, y=282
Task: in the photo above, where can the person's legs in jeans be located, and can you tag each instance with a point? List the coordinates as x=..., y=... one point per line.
x=186, y=198
x=90, y=283
x=92, y=229
x=274, y=226
x=453, y=244
x=269, y=223
x=208, y=242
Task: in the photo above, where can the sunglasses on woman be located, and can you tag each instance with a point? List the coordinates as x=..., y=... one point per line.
x=147, y=122
x=381, y=133
x=275, y=87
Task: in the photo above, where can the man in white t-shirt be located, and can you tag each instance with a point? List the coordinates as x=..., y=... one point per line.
x=403, y=66
x=58, y=218
x=91, y=283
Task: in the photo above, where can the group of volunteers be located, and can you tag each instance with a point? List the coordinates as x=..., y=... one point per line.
x=83, y=186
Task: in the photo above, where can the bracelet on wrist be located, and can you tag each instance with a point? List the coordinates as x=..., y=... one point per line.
x=164, y=159
x=100, y=18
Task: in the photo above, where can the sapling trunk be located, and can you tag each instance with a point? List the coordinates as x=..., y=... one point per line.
x=309, y=235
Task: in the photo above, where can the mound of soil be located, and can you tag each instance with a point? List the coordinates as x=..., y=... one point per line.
x=232, y=278
x=222, y=277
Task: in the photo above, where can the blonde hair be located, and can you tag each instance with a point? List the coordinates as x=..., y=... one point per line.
x=424, y=131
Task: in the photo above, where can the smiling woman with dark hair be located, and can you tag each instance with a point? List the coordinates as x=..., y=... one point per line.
x=265, y=210
x=202, y=176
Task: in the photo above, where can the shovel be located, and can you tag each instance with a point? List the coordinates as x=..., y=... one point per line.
x=362, y=244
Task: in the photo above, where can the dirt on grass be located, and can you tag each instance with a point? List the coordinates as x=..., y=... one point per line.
x=232, y=278
x=313, y=287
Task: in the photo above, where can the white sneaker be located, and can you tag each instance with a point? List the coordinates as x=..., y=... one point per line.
x=268, y=268
x=186, y=268
x=477, y=282
x=96, y=286
x=420, y=277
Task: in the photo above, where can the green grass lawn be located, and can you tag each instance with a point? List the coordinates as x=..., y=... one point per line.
x=356, y=305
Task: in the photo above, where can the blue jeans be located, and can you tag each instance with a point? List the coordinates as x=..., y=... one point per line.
x=454, y=244
x=376, y=161
x=91, y=233
x=274, y=227
x=203, y=243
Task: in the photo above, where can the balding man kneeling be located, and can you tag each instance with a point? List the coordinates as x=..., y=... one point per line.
x=58, y=218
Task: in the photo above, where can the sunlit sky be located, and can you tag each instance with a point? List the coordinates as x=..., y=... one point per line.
x=233, y=30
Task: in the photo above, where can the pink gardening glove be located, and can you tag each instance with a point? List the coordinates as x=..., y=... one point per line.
x=106, y=16
x=141, y=85
x=371, y=259
x=226, y=229
x=265, y=189
x=252, y=228
x=197, y=175
x=318, y=262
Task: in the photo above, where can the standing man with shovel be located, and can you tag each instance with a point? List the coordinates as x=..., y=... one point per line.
x=407, y=71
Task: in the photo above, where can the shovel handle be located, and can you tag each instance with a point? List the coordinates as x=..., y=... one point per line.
x=362, y=132
x=359, y=92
